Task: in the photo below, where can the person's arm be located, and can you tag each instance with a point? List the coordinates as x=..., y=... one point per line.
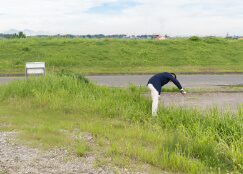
x=177, y=83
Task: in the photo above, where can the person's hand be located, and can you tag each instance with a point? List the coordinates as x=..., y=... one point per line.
x=158, y=98
x=183, y=92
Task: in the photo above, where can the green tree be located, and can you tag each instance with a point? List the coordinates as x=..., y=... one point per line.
x=14, y=36
x=21, y=35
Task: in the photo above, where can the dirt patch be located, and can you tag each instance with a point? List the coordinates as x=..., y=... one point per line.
x=204, y=100
x=17, y=158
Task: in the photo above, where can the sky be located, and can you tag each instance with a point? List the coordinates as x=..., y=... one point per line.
x=130, y=17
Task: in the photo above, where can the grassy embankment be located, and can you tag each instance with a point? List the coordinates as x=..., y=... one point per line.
x=113, y=55
x=48, y=111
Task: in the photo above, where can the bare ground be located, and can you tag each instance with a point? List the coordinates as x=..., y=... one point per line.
x=227, y=100
x=18, y=158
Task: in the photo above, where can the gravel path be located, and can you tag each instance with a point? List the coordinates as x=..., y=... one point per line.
x=19, y=159
x=204, y=100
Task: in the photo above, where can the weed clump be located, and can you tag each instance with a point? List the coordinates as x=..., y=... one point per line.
x=195, y=38
x=26, y=49
x=70, y=73
x=212, y=40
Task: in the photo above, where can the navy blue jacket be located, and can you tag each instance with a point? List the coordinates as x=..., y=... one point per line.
x=161, y=79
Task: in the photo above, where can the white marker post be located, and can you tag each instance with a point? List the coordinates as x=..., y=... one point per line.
x=35, y=68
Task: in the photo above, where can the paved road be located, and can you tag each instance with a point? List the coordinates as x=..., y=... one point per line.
x=8, y=79
x=187, y=81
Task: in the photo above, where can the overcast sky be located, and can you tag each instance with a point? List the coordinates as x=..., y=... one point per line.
x=171, y=17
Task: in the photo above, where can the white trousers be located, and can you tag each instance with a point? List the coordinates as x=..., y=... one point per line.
x=155, y=99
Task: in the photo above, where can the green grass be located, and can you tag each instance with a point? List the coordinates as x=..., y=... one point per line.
x=48, y=110
x=114, y=55
x=233, y=87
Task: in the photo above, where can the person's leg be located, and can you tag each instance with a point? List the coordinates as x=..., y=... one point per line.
x=155, y=99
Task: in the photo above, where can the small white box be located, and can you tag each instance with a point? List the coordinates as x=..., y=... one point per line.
x=36, y=68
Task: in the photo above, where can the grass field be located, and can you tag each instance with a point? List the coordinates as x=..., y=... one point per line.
x=119, y=55
x=47, y=110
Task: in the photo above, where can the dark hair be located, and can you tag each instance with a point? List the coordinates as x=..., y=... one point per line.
x=174, y=75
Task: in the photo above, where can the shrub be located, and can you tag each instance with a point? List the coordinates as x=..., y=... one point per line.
x=26, y=49
x=70, y=73
x=195, y=38
x=213, y=39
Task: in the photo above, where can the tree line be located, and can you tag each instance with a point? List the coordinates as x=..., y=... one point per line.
x=99, y=36
x=14, y=36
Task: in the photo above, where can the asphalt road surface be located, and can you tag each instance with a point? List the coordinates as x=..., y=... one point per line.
x=187, y=81
x=8, y=79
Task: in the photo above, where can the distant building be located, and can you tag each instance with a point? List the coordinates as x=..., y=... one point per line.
x=133, y=36
x=237, y=37
x=160, y=38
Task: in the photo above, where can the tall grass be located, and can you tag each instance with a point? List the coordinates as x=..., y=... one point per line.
x=178, y=139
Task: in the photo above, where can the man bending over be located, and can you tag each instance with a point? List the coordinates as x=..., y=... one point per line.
x=156, y=82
